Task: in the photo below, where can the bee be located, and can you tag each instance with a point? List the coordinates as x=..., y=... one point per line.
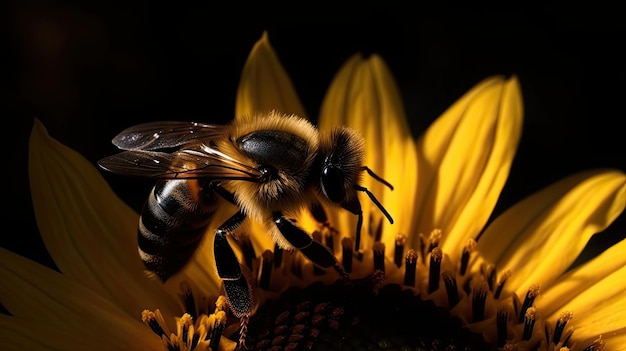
x=269, y=165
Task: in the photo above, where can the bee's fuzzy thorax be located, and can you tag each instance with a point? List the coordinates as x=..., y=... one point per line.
x=274, y=120
x=286, y=190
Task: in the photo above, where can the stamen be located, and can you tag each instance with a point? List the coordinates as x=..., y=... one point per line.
x=200, y=331
x=410, y=267
x=398, y=252
x=479, y=297
x=532, y=293
x=150, y=319
x=501, y=326
x=184, y=324
x=505, y=276
x=188, y=301
x=434, y=239
x=296, y=263
x=376, y=229
x=278, y=256
x=329, y=234
x=489, y=272
x=530, y=317
x=422, y=247
x=467, y=250
x=221, y=304
x=598, y=345
x=449, y=280
x=347, y=245
x=317, y=236
x=247, y=250
x=379, y=256
x=560, y=326
x=218, y=329
x=267, y=259
x=435, y=269
x=190, y=332
x=358, y=253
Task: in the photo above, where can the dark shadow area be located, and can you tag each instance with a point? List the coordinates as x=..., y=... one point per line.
x=88, y=71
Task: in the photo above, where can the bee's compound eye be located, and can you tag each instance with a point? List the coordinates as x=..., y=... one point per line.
x=332, y=184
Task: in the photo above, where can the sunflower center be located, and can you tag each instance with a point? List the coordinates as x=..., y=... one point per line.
x=413, y=298
x=351, y=315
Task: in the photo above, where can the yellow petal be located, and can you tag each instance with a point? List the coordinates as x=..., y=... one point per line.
x=464, y=161
x=596, y=293
x=364, y=96
x=90, y=233
x=334, y=110
x=601, y=309
x=579, y=279
x=264, y=85
x=541, y=236
x=48, y=306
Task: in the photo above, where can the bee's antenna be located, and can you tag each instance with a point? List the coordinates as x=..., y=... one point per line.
x=375, y=201
x=378, y=178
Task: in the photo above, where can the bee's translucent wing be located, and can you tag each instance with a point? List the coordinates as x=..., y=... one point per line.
x=196, y=161
x=166, y=134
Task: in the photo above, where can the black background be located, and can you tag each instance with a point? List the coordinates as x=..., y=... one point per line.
x=88, y=70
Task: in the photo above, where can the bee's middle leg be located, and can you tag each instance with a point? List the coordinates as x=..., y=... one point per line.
x=238, y=290
x=315, y=251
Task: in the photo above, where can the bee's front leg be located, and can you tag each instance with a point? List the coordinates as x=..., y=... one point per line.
x=315, y=251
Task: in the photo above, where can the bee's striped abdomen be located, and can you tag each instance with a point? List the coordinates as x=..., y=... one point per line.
x=173, y=223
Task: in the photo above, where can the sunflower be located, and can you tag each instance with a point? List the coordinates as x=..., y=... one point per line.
x=441, y=277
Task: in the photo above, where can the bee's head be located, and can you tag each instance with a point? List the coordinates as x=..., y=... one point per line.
x=340, y=156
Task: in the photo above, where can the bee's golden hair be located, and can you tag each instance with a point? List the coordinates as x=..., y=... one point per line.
x=288, y=193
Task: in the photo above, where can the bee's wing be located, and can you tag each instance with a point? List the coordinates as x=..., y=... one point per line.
x=166, y=134
x=195, y=161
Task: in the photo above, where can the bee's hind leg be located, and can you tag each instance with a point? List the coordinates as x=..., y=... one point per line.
x=315, y=251
x=236, y=286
